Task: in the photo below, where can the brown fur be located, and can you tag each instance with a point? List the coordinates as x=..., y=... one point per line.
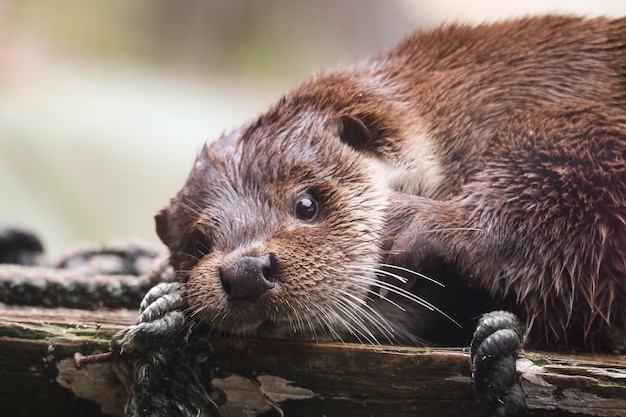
x=498, y=148
x=544, y=221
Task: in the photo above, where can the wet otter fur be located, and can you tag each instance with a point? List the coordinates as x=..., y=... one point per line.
x=491, y=156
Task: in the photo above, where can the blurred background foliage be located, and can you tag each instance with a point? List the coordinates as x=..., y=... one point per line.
x=104, y=103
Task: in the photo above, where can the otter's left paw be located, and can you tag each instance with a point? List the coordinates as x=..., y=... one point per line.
x=163, y=367
x=494, y=348
x=161, y=318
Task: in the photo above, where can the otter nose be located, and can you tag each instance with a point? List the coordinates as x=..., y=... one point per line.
x=248, y=278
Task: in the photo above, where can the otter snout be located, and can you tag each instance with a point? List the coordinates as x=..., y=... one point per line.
x=249, y=278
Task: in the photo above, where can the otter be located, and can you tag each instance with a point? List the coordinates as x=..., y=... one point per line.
x=489, y=157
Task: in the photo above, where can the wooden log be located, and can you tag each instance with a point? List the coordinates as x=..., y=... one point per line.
x=273, y=377
x=37, y=374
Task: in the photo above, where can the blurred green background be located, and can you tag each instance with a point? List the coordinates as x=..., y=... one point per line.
x=104, y=103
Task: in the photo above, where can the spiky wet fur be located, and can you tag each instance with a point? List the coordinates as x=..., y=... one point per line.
x=498, y=148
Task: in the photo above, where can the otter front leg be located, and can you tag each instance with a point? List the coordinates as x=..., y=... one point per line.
x=420, y=231
x=540, y=224
x=425, y=231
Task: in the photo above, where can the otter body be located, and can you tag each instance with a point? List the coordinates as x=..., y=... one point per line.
x=497, y=151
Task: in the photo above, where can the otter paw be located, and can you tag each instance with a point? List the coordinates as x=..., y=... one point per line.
x=494, y=348
x=161, y=299
x=161, y=319
x=164, y=369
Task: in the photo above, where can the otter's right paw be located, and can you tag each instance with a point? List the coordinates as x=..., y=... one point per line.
x=494, y=348
x=161, y=319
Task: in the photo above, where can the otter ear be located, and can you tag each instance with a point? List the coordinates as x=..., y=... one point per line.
x=163, y=220
x=354, y=132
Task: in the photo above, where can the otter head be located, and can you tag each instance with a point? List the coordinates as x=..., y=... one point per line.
x=279, y=227
x=277, y=230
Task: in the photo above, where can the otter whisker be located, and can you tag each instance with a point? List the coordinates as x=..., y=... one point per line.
x=336, y=319
x=409, y=296
x=353, y=323
x=344, y=307
x=305, y=307
x=452, y=229
x=199, y=313
x=190, y=255
x=368, y=289
x=296, y=322
x=326, y=320
x=303, y=318
x=418, y=274
x=333, y=320
x=379, y=323
x=218, y=321
x=380, y=271
x=399, y=277
x=182, y=273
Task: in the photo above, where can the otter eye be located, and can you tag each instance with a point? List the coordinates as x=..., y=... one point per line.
x=306, y=208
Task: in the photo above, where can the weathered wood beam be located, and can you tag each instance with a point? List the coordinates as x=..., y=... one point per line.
x=270, y=377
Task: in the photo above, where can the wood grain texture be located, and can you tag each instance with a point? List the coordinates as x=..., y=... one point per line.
x=273, y=377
